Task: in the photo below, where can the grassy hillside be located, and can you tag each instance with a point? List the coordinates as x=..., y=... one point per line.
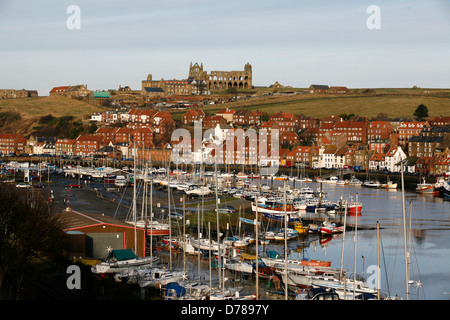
x=22, y=115
x=392, y=102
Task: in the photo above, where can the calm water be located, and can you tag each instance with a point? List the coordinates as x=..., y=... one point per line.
x=429, y=246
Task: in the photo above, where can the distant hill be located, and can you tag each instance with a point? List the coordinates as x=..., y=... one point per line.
x=22, y=115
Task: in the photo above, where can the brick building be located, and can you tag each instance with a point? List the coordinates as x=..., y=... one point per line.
x=87, y=145
x=286, y=121
x=408, y=129
x=192, y=115
x=65, y=147
x=12, y=143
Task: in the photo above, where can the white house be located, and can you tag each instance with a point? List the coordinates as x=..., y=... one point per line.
x=377, y=162
x=96, y=117
x=327, y=157
x=393, y=158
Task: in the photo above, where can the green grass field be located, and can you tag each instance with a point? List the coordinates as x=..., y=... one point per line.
x=392, y=102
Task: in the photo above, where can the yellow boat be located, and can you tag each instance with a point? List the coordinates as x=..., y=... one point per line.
x=300, y=228
x=247, y=256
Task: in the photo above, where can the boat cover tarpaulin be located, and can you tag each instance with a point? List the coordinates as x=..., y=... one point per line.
x=124, y=254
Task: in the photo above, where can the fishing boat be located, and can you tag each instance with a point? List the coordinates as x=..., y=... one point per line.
x=300, y=228
x=425, y=188
x=354, y=182
x=354, y=208
x=391, y=185
x=447, y=191
x=122, y=260
x=329, y=228
x=276, y=211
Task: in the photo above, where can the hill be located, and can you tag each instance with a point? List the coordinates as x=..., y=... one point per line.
x=22, y=115
x=362, y=102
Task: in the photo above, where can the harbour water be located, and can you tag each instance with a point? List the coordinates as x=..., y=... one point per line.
x=429, y=245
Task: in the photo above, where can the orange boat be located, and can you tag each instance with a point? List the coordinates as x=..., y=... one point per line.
x=315, y=263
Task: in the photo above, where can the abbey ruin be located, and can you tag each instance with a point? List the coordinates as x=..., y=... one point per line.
x=199, y=82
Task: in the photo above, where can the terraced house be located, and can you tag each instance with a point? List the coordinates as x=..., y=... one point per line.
x=12, y=143
x=286, y=121
x=408, y=129
x=87, y=145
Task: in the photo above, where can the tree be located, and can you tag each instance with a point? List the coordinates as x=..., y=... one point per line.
x=93, y=127
x=31, y=240
x=421, y=112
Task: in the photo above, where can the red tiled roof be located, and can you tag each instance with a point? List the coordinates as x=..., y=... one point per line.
x=59, y=89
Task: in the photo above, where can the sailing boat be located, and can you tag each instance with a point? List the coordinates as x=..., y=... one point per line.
x=151, y=277
x=122, y=261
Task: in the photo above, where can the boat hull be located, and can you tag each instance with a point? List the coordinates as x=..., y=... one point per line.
x=278, y=215
x=354, y=210
x=425, y=190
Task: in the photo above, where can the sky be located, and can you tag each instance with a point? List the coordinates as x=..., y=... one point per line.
x=294, y=42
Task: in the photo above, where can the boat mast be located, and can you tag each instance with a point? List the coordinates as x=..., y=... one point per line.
x=285, y=242
x=217, y=219
x=209, y=254
x=354, y=267
x=170, y=218
x=257, y=240
x=199, y=238
x=184, y=236
x=378, y=260
x=404, y=233
x=341, y=273
x=151, y=219
x=134, y=197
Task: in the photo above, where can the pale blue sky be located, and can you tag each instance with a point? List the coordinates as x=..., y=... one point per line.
x=294, y=42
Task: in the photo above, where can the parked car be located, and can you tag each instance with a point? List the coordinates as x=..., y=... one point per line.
x=39, y=185
x=175, y=215
x=23, y=185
